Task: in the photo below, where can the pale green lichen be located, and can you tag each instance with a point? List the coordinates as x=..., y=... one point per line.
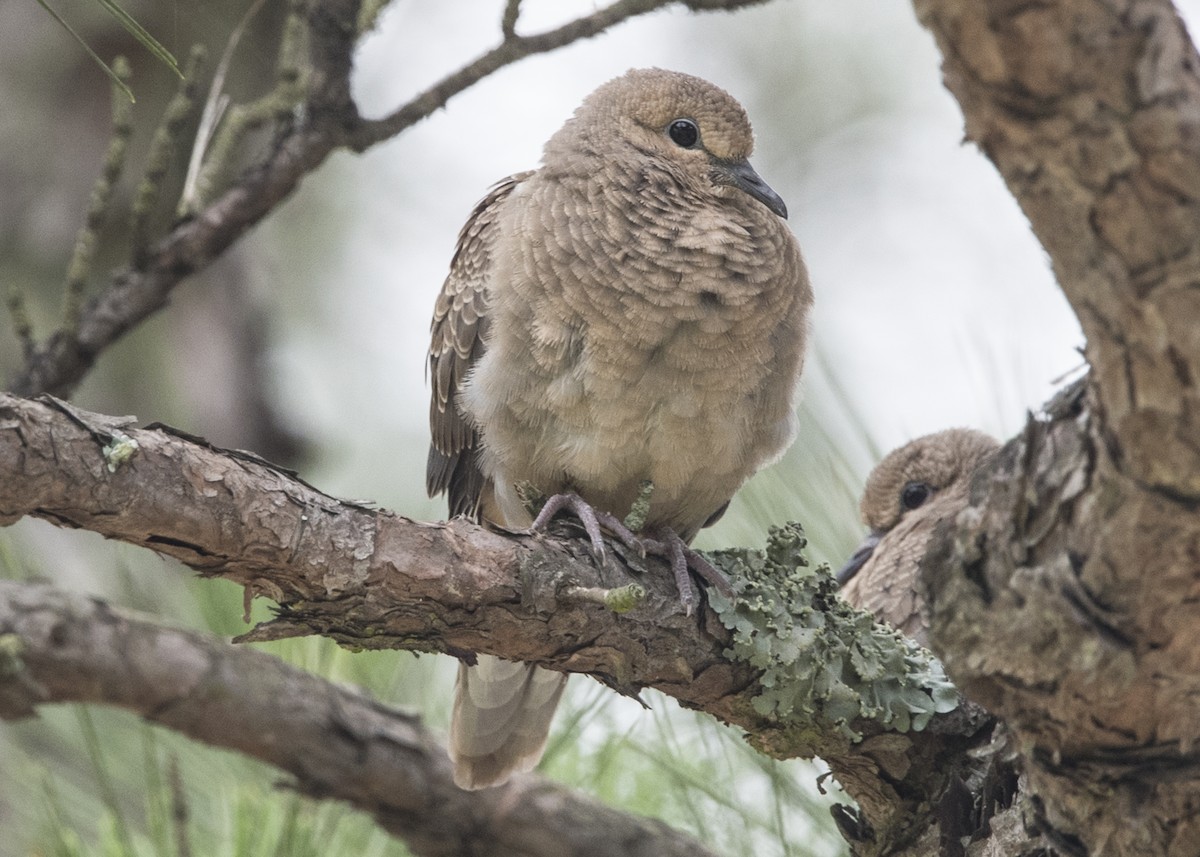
x=639, y=511
x=12, y=647
x=531, y=498
x=820, y=658
x=624, y=598
x=119, y=450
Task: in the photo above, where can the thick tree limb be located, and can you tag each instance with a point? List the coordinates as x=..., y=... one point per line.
x=1091, y=112
x=60, y=647
x=1066, y=600
x=371, y=579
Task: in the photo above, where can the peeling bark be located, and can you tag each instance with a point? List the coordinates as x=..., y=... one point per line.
x=1091, y=112
x=1065, y=601
x=1065, y=604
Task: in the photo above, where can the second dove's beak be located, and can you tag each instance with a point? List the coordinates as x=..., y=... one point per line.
x=859, y=559
x=742, y=175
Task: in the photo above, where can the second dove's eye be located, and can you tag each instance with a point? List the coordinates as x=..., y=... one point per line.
x=914, y=494
x=684, y=132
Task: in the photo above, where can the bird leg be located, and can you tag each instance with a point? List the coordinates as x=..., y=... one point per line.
x=672, y=548
x=665, y=544
x=591, y=518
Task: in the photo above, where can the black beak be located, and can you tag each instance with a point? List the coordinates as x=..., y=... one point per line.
x=859, y=559
x=742, y=175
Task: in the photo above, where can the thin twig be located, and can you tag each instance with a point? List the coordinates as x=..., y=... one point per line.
x=508, y=24
x=324, y=120
x=158, y=159
x=114, y=161
x=214, y=109
x=276, y=106
x=512, y=49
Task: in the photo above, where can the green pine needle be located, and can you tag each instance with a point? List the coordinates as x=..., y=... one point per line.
x=133, y=28
x=142, y=35
x=107, y=70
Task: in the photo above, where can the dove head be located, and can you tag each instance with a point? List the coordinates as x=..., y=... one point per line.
x=913, y=475
x=694, y=130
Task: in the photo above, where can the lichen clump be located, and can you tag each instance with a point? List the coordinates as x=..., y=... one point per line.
x=119, y=450
x=820, y=658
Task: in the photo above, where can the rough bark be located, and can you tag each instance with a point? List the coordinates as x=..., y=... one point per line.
x=1065, y=602
x=371, y=579
x=337, y=743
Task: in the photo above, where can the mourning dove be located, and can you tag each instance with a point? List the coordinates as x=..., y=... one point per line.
x=911, y=491
x=636, y=309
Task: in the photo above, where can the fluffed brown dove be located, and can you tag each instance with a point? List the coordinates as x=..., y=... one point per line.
x=907, y=495
x=636, y=309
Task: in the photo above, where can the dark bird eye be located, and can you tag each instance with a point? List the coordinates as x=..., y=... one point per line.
x=914, y=494
x=684, y=132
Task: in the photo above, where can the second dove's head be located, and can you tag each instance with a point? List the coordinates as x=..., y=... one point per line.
x=925, y=478
x=695, y=131
x=909, y=477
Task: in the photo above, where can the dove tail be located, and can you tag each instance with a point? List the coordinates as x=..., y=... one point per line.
x=501, y=719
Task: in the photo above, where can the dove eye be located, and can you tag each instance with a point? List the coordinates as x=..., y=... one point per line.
x=914, y=494
x=684, y=132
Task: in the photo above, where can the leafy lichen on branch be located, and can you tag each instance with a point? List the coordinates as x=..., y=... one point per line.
x=820, y=658
x=119, y=450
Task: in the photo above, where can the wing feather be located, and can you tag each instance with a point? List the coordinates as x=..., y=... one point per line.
x=458, y=338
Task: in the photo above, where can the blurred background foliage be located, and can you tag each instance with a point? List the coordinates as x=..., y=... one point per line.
x=935, y=307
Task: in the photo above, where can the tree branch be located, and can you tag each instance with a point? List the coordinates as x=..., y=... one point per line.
x=1091, y=112
x=1064, y=600
x=370, y=579
x=325, y=121
x=513, y=48
x=60, y=647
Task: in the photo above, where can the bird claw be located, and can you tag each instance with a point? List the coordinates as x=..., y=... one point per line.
x=712, y=575
x=668, y=546
x=682, y=558
x=591, y=518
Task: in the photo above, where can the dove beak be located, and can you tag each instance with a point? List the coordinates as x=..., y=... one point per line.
x=859, y=558
x=742, y=176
